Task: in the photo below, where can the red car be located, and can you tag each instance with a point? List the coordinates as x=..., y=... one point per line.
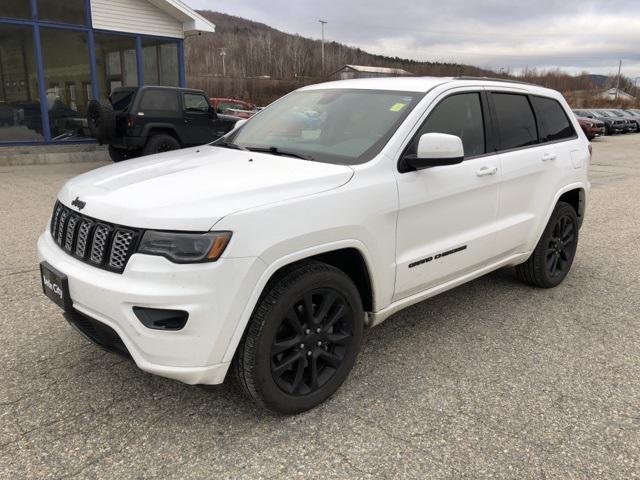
x=233, y=106
x=591, y=127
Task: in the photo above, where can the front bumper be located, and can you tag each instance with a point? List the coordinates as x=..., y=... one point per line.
x=214, y=294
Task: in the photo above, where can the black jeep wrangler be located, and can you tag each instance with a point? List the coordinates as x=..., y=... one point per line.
x=140, y=121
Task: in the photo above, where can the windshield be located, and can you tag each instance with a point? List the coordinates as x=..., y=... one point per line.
x=340, y=126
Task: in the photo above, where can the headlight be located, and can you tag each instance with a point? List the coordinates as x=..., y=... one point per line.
x=185, y=247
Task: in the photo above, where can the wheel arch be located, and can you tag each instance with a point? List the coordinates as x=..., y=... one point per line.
x=576, y=195
x=350, y=256
x=577, y=199
x=156, y=128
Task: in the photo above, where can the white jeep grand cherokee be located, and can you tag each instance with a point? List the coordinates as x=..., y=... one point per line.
x=340, y=204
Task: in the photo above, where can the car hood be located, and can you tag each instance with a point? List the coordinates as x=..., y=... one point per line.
x=192, y=189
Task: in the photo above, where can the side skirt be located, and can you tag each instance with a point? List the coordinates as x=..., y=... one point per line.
x=376, y=318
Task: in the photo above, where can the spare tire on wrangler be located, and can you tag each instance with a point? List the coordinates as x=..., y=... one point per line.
x=101, y=120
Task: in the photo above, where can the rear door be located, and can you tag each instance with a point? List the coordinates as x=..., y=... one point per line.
x=446, y=218
x=198, y=119
x=534, y=147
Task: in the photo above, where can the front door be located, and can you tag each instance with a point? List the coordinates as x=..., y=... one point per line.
x=198, y=120
x=447, y=215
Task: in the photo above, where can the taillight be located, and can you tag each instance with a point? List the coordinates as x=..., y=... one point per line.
x=129, y=121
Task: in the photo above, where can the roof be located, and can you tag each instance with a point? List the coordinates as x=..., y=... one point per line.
x=425, y=84
x=367, y=69
x=192, y=22
x=620, y=93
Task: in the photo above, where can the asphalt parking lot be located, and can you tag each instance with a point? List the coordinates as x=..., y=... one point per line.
x=492, y=379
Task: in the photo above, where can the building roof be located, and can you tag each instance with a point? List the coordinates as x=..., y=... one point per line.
x=620, y=93
x=367, y=69
x=192, y=22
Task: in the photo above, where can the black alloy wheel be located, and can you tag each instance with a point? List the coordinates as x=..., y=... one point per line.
x=311, y=341
x=561, y=246
x=302, y=339
x=553, y=256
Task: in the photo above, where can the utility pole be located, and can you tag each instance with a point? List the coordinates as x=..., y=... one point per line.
x=618, y=82
x=323, y=23
x=223, y=53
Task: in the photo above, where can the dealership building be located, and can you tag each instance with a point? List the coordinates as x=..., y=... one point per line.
x=56, y=55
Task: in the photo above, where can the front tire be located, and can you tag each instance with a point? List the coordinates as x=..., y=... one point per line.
x=552, y=258
x=302, y=339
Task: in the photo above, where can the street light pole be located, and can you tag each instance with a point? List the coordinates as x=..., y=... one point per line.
x=618, y=82
x=223, y=53
x=323, y=23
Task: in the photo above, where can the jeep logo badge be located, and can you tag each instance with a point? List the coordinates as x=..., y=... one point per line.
x=78, y=203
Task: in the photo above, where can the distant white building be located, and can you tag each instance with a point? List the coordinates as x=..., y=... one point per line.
x=614, y=94
x=360, y=71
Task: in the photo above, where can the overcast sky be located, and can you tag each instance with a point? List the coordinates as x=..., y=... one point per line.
x=575, y=35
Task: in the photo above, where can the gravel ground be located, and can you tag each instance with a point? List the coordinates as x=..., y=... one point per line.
x=492, y=379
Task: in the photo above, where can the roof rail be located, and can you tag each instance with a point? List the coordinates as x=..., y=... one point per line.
x=505, y=80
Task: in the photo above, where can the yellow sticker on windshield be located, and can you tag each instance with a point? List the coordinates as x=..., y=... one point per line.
x=397, y=107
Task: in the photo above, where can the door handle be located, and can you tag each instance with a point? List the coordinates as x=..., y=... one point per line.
x=548, y=157
x=486, y=171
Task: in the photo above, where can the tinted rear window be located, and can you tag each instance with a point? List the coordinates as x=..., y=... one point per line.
x=555, y=123
x=516, y=121
x=159, y=100
x=121, y=98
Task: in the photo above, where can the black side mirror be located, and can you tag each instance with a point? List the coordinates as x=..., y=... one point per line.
x=413, y=162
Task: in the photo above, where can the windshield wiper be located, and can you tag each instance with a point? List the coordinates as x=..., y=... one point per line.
x=234, y=146
x=278, y=151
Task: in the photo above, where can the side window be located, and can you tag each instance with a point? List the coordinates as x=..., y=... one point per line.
x=160, y=101
x=516, y=121
x=196, y=102
x=459, y=115
x=555, y=123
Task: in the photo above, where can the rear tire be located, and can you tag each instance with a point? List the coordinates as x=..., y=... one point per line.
x=552, y=258
x=302, y=339
x=120, y=154
x=159, y=143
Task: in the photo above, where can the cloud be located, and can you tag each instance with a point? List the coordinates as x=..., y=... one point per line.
x=574, y=35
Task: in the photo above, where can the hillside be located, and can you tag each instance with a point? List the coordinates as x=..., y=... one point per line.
x=263, y=63
x=256, y=50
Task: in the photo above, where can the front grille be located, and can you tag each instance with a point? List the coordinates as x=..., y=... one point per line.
x=101, y=244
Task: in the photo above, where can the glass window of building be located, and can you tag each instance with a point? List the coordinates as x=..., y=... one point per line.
x=15, y=8
x=160, y=59
x=20, y=117
x=116, y=62
x=62, y=11
x=67, y=82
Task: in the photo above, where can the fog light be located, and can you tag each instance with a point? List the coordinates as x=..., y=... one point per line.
x=161, y=319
